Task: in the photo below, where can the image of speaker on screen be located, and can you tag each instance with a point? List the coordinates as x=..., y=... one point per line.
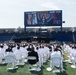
x=44, y=18
x=29, y=19
x=32, y=19
x=56, y=19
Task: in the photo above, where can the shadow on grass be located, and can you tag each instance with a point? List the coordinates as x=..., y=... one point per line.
x=38, y=73
x=21, y=66
x=46, y=63
x=13, y=71
x=64, y=66
x=3, y=64
x=64, y=72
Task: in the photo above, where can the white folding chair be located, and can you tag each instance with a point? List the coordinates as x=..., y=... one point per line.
x=56, y=62
x=24, y=56
x=73, y=59
x=11, y=59
x=19, y=58
x=33, y=66
x=2, y=57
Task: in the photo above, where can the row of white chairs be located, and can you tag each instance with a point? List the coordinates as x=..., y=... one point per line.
x=71, y=54
x=19, y=59
x=13, y=58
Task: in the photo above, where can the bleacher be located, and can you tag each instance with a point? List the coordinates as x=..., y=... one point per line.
x=56, y=34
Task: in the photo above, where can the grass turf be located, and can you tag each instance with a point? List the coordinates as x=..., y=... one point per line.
x=23, y=70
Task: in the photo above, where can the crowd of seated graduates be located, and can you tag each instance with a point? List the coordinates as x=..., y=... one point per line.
x=42, y=51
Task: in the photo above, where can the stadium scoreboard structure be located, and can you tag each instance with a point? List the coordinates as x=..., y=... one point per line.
x=43, y=18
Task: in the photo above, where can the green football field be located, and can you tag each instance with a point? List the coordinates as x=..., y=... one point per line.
x=23, y=70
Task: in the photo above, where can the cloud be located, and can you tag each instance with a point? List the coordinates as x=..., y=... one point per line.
x=66, y=1
x=50, y=5
x=69, y=2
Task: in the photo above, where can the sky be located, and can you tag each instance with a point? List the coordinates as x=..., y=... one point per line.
x=12, y=11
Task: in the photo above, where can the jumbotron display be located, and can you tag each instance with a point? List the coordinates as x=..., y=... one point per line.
x=43, y=18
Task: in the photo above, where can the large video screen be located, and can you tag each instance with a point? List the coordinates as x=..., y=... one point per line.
x=43, y=18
